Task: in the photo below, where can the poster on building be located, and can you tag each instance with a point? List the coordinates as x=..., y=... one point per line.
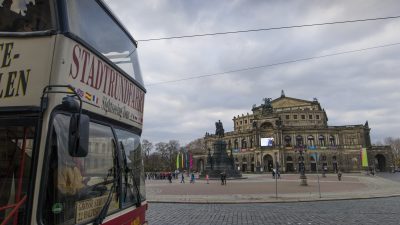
x=267, y=142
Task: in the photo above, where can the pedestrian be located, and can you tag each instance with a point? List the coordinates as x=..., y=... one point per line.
x=182, y=177
x=273, y=173
x=222, y=178
x=339, y=175
x=192, y=178
x=325, y=170
x=170, y=177
x=207, y=177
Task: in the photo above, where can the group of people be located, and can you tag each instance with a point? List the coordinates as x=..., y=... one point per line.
x=161, y=175
x=276, y=173
x=192, y=178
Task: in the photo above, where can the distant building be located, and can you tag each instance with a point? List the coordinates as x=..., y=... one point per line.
x=279, y=129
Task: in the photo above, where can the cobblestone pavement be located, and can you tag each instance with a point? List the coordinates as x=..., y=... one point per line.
x=366, y=211
x=261, y=188
x=390, y=176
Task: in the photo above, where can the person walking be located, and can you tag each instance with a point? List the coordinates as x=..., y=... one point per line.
x=192, y=178
x=170, y=177
x=222, y=178
x=207, y=177
x=182, y=177
x=339, y=175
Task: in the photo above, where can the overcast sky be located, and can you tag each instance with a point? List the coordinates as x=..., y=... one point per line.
x=352, y=87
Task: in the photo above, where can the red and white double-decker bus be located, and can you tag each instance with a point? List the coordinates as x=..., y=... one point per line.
x=71, y=114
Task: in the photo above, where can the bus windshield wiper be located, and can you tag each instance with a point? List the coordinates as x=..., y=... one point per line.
x=128, y=170
x=103, y=212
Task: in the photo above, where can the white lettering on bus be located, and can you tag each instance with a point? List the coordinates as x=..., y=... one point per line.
x=93, y=72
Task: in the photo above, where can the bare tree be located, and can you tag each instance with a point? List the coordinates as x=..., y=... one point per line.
x=154, y=163
x=168, y=152
x=395, y=146
x=147, y=146
x=173, y=148
x=162, y=150
x=197, y=146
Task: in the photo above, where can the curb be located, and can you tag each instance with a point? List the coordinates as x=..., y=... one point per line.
x=276, y=201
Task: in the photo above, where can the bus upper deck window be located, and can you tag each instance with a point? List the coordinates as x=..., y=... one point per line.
x=88, y=20
x=25, y=16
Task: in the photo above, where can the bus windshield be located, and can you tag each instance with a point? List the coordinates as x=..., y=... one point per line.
x=25, y=16
x=16, y=143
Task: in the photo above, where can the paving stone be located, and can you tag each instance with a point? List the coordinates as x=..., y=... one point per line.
x=366, y=211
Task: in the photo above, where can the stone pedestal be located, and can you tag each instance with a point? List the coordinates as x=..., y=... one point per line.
x=220, y=162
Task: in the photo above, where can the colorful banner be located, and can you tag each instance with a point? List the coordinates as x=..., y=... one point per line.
x=177, y=161
x=190, y=161
x=364, y=157
x=187, y=160
x=182, y=155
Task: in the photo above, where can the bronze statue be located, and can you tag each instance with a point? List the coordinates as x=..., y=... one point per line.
x=219, y=130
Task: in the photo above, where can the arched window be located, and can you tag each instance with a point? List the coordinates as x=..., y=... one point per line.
x=289, y=159
x=321, y=139
x=288, y=141
x=236, y=144
x=332, y=140
x=244, y=143
x=312, y=159
x=334, y=158
x=310, y=140
x=266, y=125
x=323, y=158
x=299, y=140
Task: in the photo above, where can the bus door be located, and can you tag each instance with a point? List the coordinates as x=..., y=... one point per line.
x=16, y=149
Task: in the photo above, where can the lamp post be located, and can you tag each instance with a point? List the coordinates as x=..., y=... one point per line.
x=302, y=149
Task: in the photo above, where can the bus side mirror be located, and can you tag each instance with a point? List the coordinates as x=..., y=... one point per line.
x=78, y=138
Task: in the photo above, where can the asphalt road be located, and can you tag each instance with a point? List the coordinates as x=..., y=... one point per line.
x=367, y=211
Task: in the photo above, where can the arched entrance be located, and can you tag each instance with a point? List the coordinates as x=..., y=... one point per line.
x=313, y=164
x=200, y=165
x=334, y=164
x=300, y=160
x=244, y=164
x=289, y=164
x=268, y=163
x=380, y=162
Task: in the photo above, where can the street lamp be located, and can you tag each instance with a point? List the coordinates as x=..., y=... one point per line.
x=302, y=149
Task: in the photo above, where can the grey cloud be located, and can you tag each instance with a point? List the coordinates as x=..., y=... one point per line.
x=352, y=88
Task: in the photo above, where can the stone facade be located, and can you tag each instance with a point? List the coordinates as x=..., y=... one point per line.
x=297, y=128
